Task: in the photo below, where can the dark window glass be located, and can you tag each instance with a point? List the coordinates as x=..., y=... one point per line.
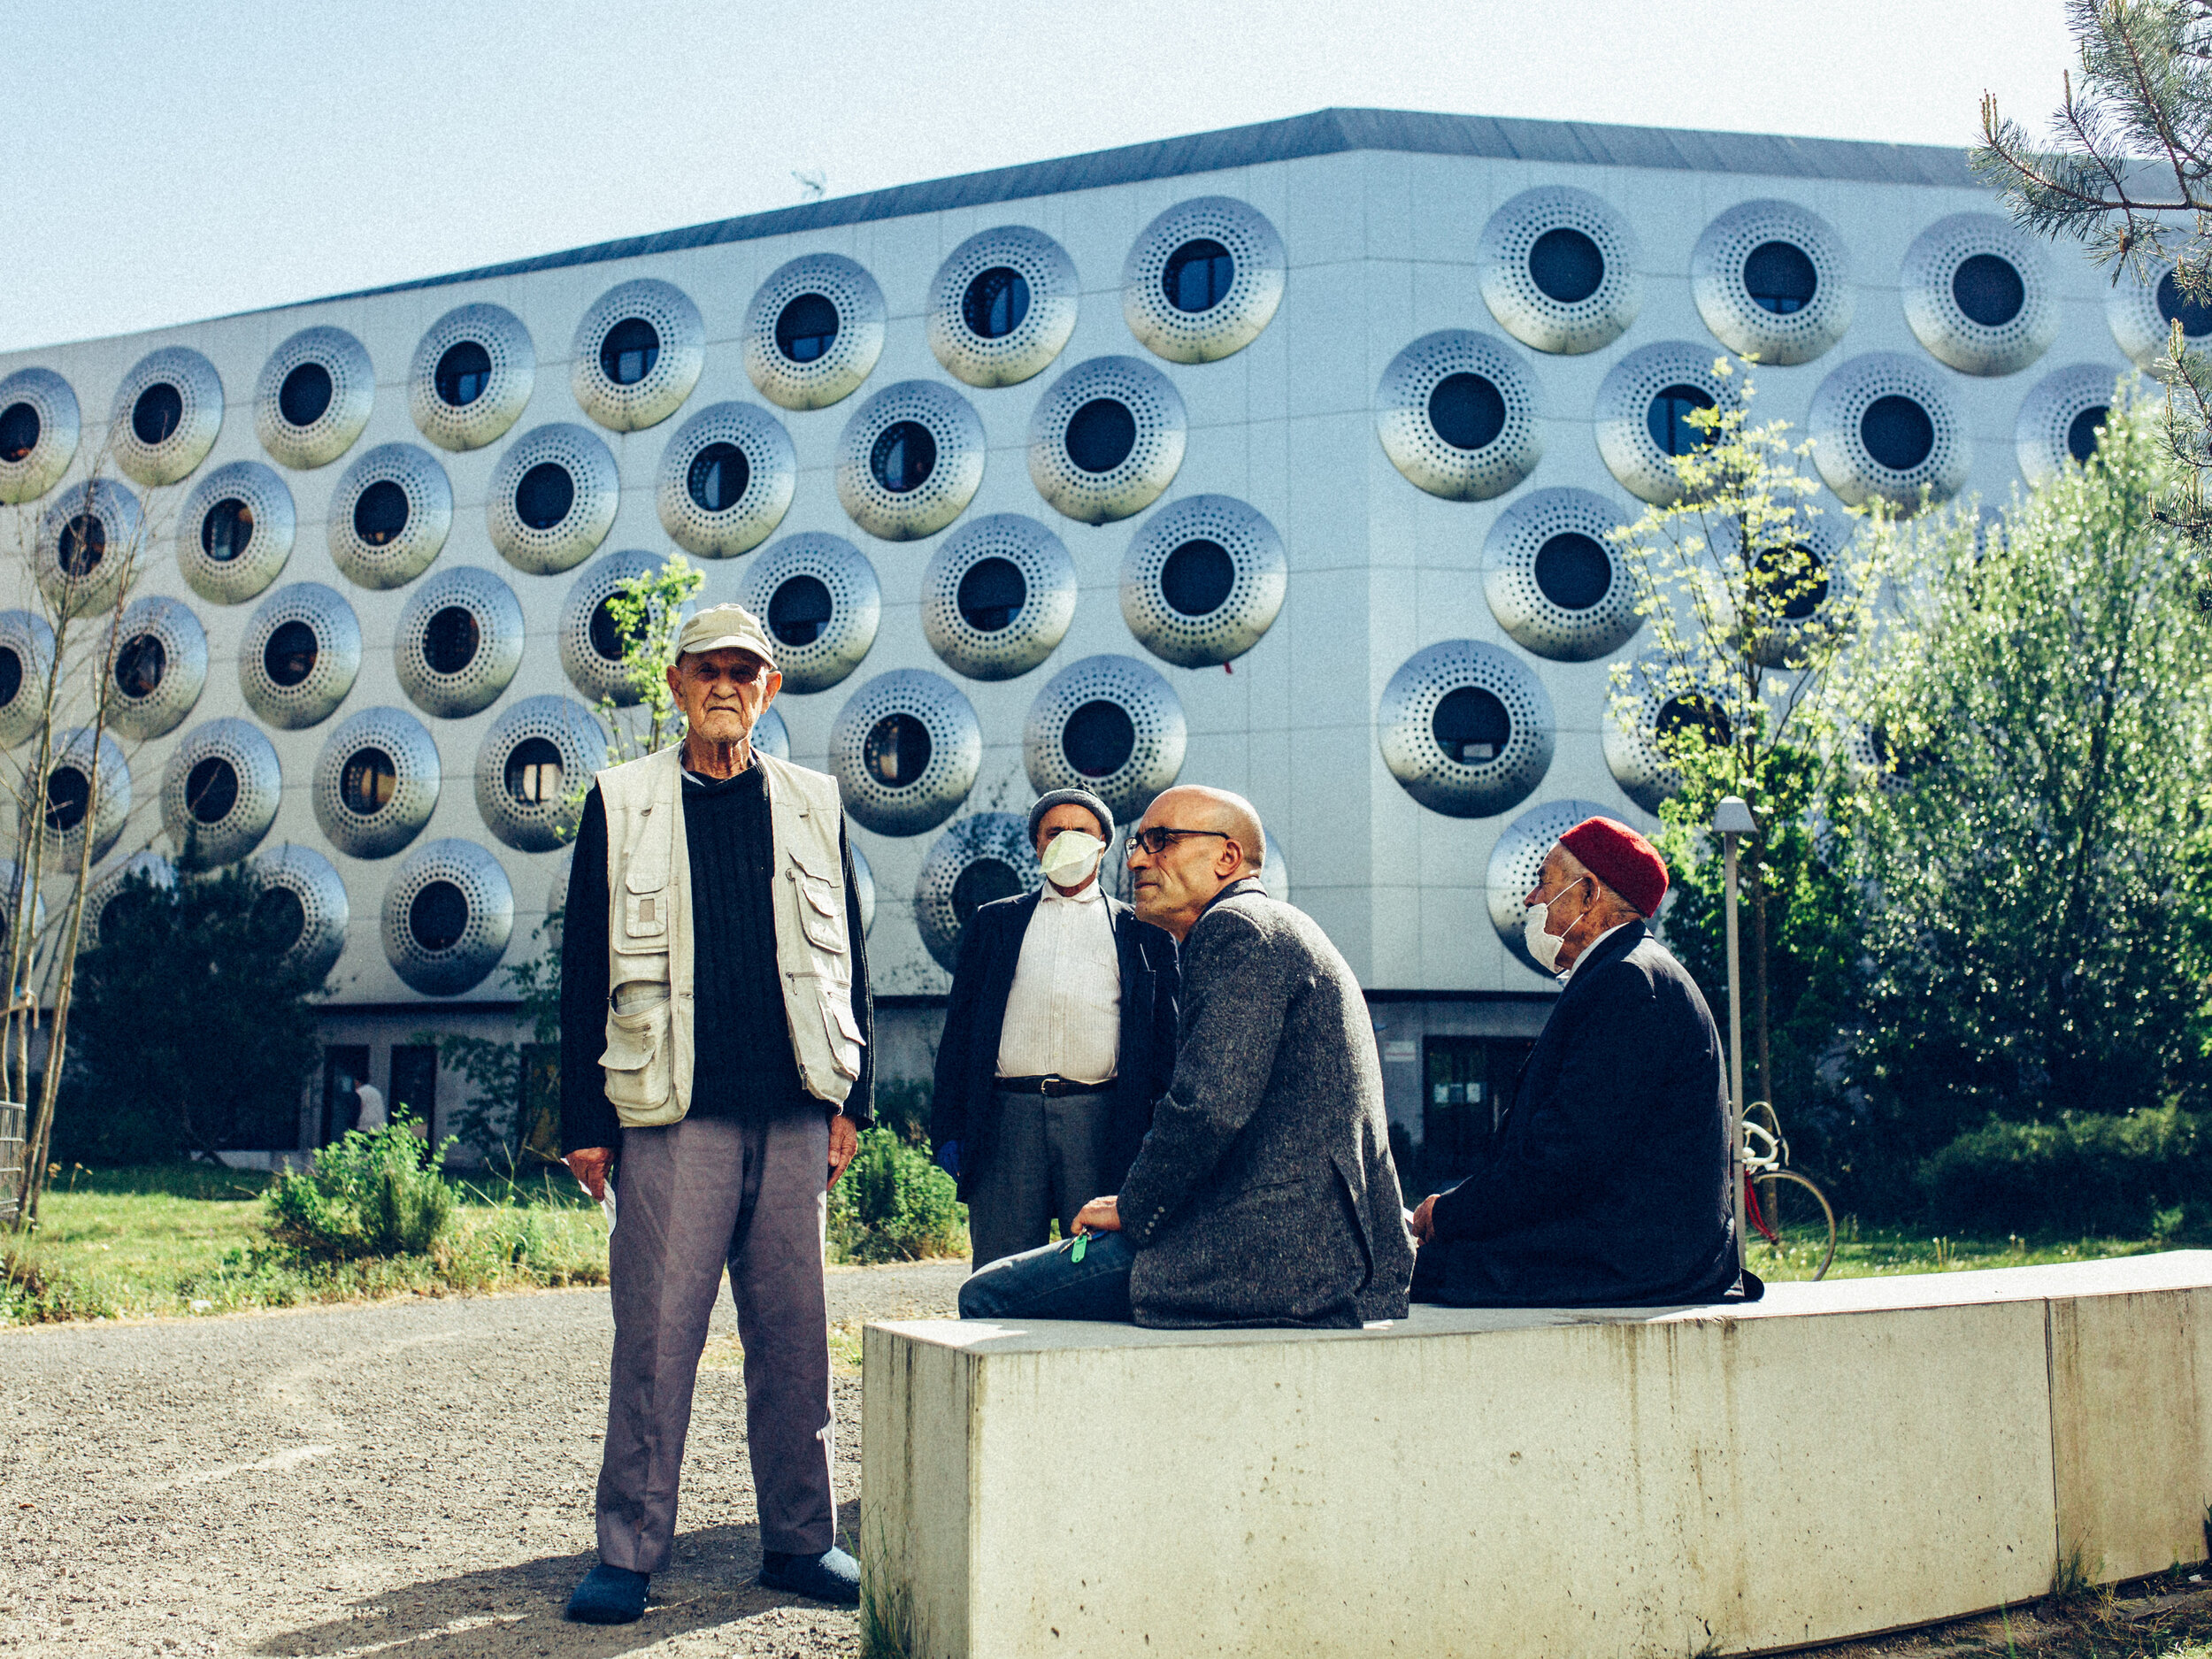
x=1198, y=275
x=84, y=543
x=992, y=594
x=2081, y=436
x=1988, y=289
x=134, y=900
x=11, y=674
x=806, y=327
x=1780, y=278
x=799, y=610
x=139, y=666
x=1468, y=1079
x=904, y=456
x=1472, y=726
x=1196, y=578
x=2194, y=316
x=995, y=303
x=210, y=789
x=439, y=916
x=983, y=881
x=1691, y=712
x=415, y=1081
x=1668, y=420
x=304, y=395
x=462, y=374
x=1099, y=738
x=1467, y=411
x=379, y=513
x=1566, y=265
x=227, y=529
x=897, y=750
x=68, y=794
x=1897, y=433
x=1573, y=572
x=278, y=917
x=717, y=477
x=18, y=431
x=606, y=633
x=545, y=495
x=1101, y=434
x=289, y=656
x=448, y=644
x=159, y=412
x=366, y=781
x=628, y=352
x=533, y=771
x=1791, y=580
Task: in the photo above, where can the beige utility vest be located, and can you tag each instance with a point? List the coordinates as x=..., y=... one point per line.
x=649, y=1007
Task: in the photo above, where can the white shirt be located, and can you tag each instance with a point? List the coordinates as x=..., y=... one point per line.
x=1064, y=1011
x=1590, y=950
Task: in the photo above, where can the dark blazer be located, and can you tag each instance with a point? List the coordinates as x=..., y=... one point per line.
x=965, y=1105
x=1606, y=1183
x=1265, y=1193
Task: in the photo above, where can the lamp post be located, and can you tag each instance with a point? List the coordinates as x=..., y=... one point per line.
x=1731, y=818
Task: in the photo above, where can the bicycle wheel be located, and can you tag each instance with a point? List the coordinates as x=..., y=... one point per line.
x=1772, y=1180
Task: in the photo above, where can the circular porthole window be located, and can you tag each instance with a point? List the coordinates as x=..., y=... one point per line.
x=302, y=908
x=592, y=640
x=118, y=890
x=1645, y=407
x=72, y=811
x=160, y=665
x=470, y=377
x=1794, y=585
x=313, y=397
x=1466, y=728
x=39, y=428
x=168, y=412
x=552, y=499
x=376, y=782
x=219, y=793
x=813, y=331
x=1457, y=414
x=2141, y=315
x=1559, y=270
x=978, y=859
x=1978, y=295
x=637, y=354
x=998, y=597
x=26, y=654
x=458, y=643
x=1517, y=863
x=905, y=749
x=87, y=540
x=1773, y=282
x=909, y=460
x=1110, y=725
x=234, y=533
x=1203, y=280
x=389, y=516
x=1107, y=439
x=532, y=768
x=2062, y=420
x=1001, y=306
x=447, y=917
x=300, y=655
x=1551, y=581
x=1886, y=425
x=725, y=480
x=1636, y=749
x=822, y=603
x=1203, y=581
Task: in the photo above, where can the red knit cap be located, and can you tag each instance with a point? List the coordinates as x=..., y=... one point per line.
x=1620, y=858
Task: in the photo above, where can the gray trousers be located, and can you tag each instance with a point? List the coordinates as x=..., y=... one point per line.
x=1047, y=1160
x=690, y=1198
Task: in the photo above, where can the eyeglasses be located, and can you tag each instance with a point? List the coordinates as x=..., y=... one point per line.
x=1157, y=841
x=742, y=674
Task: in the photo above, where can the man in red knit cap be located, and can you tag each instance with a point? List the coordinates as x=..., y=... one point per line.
x=1606, y=1182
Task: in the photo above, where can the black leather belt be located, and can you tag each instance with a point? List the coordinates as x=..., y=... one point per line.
x=1052, y=1085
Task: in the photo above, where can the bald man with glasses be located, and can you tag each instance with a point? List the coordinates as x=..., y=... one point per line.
x=1264, y=1194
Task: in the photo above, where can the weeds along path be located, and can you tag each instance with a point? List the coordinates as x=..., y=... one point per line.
x=411, y=1476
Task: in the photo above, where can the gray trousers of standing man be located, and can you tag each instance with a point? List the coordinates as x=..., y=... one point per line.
x=1047, y=1160
x=691, y=1198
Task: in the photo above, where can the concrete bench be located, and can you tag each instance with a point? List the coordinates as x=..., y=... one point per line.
x=1839, y=1460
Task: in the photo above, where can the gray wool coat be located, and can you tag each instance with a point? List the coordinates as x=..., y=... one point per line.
x=1264, y=1192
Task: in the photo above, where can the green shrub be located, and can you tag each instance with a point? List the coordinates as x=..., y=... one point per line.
x=373, y=1192
x=895, y=1205
x=2087, y=1173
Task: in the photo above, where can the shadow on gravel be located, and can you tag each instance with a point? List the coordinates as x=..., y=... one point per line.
x=518, y=1609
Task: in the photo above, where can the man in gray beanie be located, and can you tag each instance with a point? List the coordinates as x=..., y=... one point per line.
x=1059, y=1037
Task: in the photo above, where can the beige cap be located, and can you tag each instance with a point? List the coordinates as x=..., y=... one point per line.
x=727, y=627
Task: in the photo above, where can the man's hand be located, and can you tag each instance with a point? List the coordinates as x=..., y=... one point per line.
x=1100, y=1215
x=589, y=1165
x=844, y=1141
x=1424, y=1223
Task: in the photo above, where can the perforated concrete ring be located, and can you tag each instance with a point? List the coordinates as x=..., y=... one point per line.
x=1203, y=581
x=310, y=886
x=2061, y=418
x=1643, y=409
x=1978, y=293
x=134, y=874
x=300, y=655
x=1107, y=439
x=905, y=749
x=459, y=642
x=447, y=917
x=1466, y=728
x=2140, y=314
x=637, y=354
x=983, y=857
x=27, y=655
x=313, y=397
x=470, y=377
x=1203, y=280
x=725, y=480
x=71, y=811
x=531, y=768
x=1001, y=306
x=1111, y=725
x=1772, y=280
x=820, y=600
x=1665, y=702
x=220, y=792
x=39, y=425
x=165, y=416
x=1559, y=270
x=998, y=597
x=1885, y=424
x=159, y=664
x=552, y=498
x=1457, y=413
x=236, y=532
x=375, y=782
x=90, y=538
x=813, y=331
x=591, y=642
x=1517, y=863
x=909, y=460
x=1552, y=574
x=389, y=516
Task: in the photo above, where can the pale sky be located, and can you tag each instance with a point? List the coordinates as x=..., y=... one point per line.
x=169, y=163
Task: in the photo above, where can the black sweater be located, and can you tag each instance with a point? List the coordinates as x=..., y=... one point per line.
x=742, y=1064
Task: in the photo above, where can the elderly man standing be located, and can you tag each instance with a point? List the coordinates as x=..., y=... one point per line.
x=1606, y=1182
x=1060, y=1035
x=1264, y=1193
x=715, y=1069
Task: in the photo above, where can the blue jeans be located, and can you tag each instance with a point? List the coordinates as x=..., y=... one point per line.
x=1050, y=1283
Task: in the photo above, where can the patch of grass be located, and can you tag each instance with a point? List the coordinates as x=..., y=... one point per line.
x=1874, y=1252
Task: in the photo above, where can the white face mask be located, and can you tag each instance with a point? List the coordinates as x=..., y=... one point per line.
x=1070, y=857
x=1543, y=945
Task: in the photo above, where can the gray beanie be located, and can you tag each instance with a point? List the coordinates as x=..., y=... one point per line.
x=1083, y=798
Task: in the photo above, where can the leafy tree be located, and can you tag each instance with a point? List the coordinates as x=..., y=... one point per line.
x=648, y=612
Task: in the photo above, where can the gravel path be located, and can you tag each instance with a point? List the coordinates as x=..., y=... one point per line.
x=411, y=1477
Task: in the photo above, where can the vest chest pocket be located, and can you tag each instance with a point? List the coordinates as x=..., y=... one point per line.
x=645, y=915
x=637, y=1073
x=820, y=914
